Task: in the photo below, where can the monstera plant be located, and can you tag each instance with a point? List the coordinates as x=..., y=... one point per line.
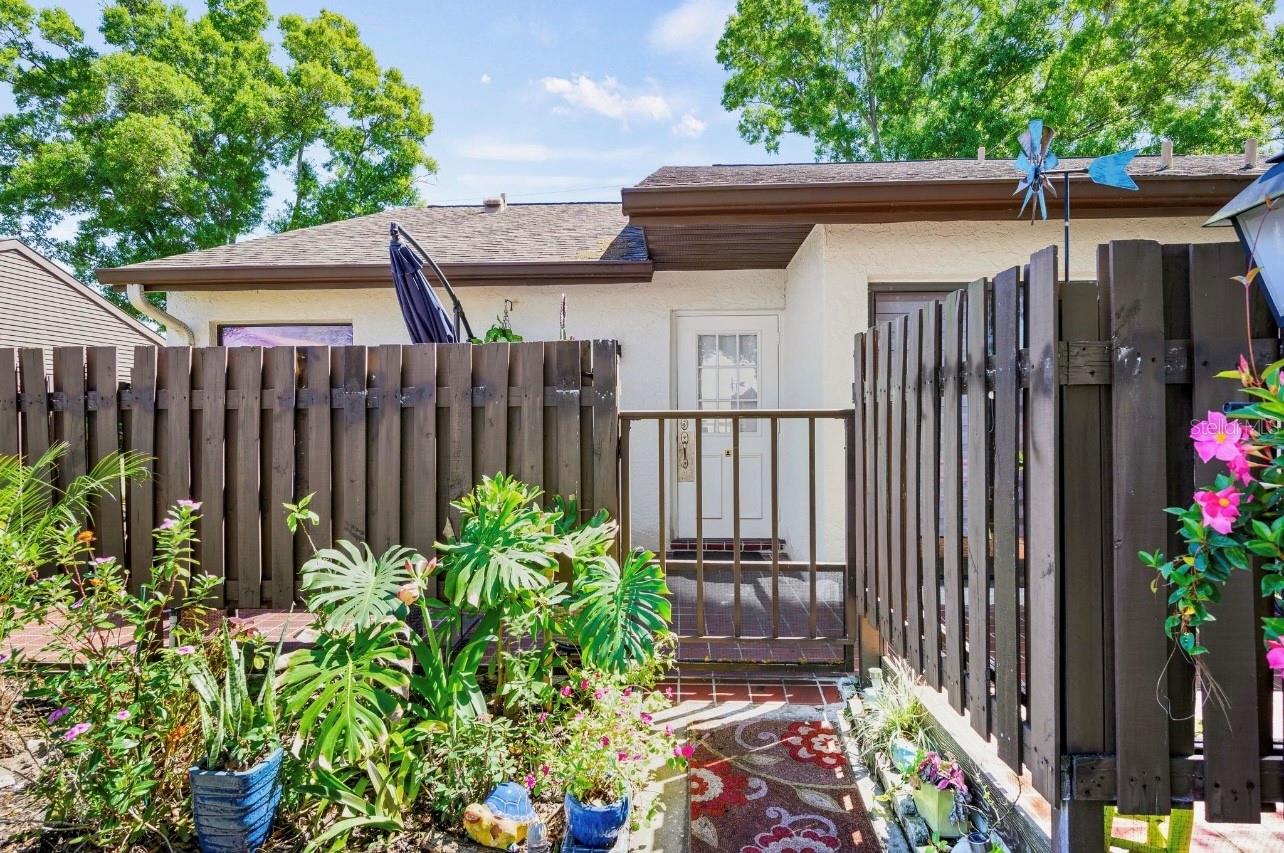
x=350, y=586
x=617, y=611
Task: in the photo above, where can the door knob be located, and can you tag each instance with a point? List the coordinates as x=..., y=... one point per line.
x=686, y=469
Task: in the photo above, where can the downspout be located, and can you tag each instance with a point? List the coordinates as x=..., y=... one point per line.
x=138, y=298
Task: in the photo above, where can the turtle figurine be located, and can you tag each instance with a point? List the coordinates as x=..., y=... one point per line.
x=502, y=819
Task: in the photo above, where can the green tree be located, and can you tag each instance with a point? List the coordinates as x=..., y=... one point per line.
x=913, y=79
x=164, y=141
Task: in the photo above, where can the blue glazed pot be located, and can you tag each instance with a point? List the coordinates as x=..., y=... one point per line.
x=233, y=809
x=595, y=827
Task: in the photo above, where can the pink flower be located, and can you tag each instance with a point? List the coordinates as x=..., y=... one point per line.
x=621, y=756
x=529, y=781
x=4, y=657
x=685, y=750
x=1218, y=438
x=628, y=691
x=544, y=770
x=543, y=715
x=645, y=717
x=75, y=731
x=408, y=593
x=584, y=684
x=1220, y=508
x=1275, y=656
x=186, y=504
x=186, y=650
x=167, y=524
x=599, y=694
x=78, y=603
x=1240, y=469
x=58, y=714
x=122, y=715
x=566, y=690
x=668, y=730
x=98, y=561
x=668, y=693
x=606, y=741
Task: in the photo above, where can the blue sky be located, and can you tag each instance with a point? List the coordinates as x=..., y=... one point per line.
x=547, y=101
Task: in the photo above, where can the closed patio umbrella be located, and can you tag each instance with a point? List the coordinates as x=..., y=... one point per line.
x=425, y=317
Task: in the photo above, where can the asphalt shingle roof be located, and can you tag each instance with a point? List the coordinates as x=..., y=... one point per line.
x=1190, y=165
x=580, y=231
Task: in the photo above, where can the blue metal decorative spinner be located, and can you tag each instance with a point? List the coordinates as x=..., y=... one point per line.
x=1038, y=163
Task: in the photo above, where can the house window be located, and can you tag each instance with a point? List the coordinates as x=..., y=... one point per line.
x=728, y=377
x=285, y=335
x=889, y=301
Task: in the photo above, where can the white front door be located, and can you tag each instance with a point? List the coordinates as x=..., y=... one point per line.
x=725, y=362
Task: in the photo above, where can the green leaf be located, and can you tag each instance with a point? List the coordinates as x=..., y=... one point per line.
x=350, y=586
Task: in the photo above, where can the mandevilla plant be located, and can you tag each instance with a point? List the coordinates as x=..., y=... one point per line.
x=1238, y=517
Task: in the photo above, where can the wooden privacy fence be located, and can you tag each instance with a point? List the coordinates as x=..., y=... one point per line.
x=1021, y=440
x=384, y=437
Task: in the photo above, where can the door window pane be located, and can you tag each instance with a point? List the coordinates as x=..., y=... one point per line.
x=301, y=334
x=727, y=377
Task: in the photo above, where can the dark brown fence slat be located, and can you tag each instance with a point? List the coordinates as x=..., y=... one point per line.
x=952, y=322
x=1042, y=530
x=1140, y=489
x=913, y=578
x=209, y=423
x=348, y=439
x=896, y=485
x=419, y=527
x=140, y=435
x=883, y=480
x=35, y=397
x=1232, y=783
x=455, y=429
x=1007, y=384
x=383, y=446
x=929, y=491
x=69, y=416
x=606, y=392
x=490, y=421
x=526, y=423
x=244, y=561
x=8, y=402
x=870, y=489
x=314, y=449
x=978, y=478
x=103, y=437
x=562, y=372
x=856, y=522
x=278, y=461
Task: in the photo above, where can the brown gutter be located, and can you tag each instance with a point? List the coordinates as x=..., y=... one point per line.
x=909, y=201
x=304, y=276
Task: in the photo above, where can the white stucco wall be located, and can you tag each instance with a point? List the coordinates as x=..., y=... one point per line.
x=821, y=298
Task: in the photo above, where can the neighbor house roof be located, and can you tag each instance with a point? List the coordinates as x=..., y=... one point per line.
x=513, y=243
x=747, y=215
x=45, y=306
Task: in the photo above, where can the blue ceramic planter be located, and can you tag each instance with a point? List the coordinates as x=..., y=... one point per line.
x=234, y=809
x=595, y=827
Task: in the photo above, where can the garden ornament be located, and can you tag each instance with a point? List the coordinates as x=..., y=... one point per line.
x=502, y=820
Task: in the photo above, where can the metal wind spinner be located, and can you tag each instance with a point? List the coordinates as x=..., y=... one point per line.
x=1039, y=164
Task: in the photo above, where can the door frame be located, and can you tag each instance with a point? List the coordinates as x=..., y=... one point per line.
x=670, y=459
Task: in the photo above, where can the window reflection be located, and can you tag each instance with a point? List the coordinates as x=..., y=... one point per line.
x=302, y=334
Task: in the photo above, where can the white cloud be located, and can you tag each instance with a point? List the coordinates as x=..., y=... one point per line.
x=485, y=148
x=693, y=27
x=689, y=125
x=607, y=98
x=485, y=78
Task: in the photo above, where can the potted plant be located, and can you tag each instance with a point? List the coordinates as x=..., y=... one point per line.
x=941, y=795
x=235, y=787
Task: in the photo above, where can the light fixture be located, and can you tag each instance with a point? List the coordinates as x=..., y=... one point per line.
x=1258, y=221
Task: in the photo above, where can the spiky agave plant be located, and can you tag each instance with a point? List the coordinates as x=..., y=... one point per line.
x=240, y=726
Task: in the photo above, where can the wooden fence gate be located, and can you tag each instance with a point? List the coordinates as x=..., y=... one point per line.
x=384, y=437
x=1021, y=441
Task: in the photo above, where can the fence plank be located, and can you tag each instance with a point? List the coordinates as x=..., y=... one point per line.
x=348, y=438
x=978, y=522
x=209, y=379
x=419, y=449
x=1232, y=783
x=896, y=484
x=455, y=436
x=856, y=523
x=278, y=461
x=313, y=437
x=1140, y=489
x=8, y=402
x=173, y=427
x=1007, y=614
x=868, y=390
x=913, y=577
x=490, y=423
x=883, y=480
x=562, y=372
x=141, y=436
x=1045, y=684
x=244, y=561
x=526, y=423
x=103, y=436
x=35, y=394
x=929, y=491
x=69, y=418
x=383, y=447
x=605, y=414
x=952, y=321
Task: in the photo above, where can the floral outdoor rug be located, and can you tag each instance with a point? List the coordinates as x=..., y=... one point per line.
x=775, y=786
